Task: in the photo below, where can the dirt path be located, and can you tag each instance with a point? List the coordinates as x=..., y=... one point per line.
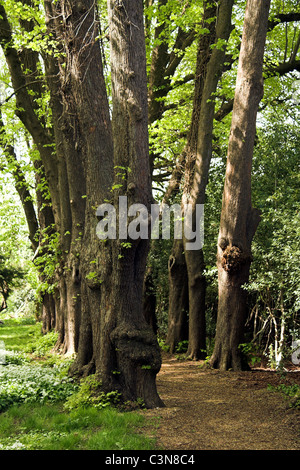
x=212, y=410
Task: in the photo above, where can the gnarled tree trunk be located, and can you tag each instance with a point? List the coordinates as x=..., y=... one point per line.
x=239, y=220
x=129, y=355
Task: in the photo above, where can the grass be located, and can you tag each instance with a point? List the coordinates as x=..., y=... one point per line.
x=18, y=334
x=34, y=391
x=49, y=427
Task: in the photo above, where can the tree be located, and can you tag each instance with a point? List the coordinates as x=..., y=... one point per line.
x=114, y=339
x=133, y=350
x=239, y=220
x=25, y=68
x=171, y=40
x=83, y=110
x=90, y=159
x=83, y=144
x=178, y=274
x=197, y=157
x=166, y=56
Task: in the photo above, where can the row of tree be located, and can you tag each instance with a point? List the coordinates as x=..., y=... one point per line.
x=86, y=128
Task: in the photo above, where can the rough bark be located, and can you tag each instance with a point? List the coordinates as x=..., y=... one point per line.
x=48, y=313
x=178, y=297
x=114, y=338
x=239, y=220
x=149, y=300
x=129, y=355
x=85, y=97
x=63, y=74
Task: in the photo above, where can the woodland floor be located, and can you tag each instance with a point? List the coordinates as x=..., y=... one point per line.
x=211, y=410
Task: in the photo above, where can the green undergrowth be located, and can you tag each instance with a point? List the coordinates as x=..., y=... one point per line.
x=290, y=392
x=42, y=408
x=50, y=427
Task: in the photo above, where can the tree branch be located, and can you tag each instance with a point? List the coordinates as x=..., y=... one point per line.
x=272, y=71
x=283, y=18
x=18, y=89
x=183, y=40
x=21, y=186
x=25, y=105
x=283, y=69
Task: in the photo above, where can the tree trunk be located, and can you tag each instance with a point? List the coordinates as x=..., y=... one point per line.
x=239, y=220
x=87, y=96
x=114, y=339
x=178, y=297
x=64, y=80
x=48, y=313
x=129, y=355
x=164, y=64
x=149, y=300
x=200, y=170
x=178, y=272
x=46, y=229
x=120, y=347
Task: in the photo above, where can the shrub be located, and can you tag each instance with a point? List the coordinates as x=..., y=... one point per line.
x=90, y=394
x=43, y=345
x=16, y=357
